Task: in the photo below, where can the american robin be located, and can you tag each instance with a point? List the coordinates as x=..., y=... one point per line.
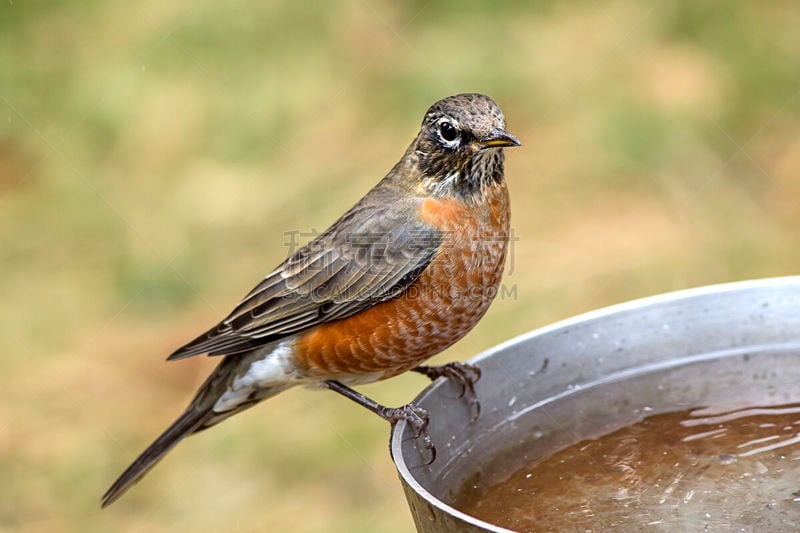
x=402, y=275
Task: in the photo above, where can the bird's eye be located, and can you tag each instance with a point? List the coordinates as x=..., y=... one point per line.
x=448, y=132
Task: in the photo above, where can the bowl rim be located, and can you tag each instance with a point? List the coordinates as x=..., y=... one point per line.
x=396, y=438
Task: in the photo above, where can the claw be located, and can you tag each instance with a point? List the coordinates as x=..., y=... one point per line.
x=418, y=419
x=465, y=375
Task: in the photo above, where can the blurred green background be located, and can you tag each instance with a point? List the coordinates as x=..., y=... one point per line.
x=153, y=155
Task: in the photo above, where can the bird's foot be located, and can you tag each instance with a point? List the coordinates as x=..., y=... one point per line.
x=416, y=417
x=463, y=374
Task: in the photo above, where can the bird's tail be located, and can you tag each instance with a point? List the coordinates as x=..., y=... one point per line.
x=197, y=417
x=184, y=426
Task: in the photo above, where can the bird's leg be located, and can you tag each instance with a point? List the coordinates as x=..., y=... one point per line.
x=464, y=374
x=416, y=417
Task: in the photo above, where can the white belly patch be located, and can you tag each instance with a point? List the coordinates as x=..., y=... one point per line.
x=272, y=369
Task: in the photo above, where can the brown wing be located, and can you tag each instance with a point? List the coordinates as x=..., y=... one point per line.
x=370, y=255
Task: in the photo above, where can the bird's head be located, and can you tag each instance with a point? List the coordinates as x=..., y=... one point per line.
x=459, y=148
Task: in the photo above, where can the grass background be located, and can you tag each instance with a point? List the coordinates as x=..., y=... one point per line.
x=153, y=154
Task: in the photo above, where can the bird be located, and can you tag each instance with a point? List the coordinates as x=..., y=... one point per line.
x=405, y=273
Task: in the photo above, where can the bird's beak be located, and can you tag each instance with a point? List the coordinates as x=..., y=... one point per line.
x=497, y=139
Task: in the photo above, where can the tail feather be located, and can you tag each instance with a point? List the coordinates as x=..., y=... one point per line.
x=198, y=416
x=185, y=425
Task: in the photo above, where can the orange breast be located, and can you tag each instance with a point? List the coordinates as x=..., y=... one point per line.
x=439, y=308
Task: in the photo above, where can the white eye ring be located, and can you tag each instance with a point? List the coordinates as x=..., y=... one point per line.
x=448, y=133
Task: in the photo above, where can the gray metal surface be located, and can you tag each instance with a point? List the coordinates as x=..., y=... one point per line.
x=738, y=340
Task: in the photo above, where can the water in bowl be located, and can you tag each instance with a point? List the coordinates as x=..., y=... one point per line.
x=694, y=470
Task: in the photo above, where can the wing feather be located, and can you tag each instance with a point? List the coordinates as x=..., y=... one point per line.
x=368, y=256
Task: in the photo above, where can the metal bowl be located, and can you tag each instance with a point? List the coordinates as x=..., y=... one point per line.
x=595, y=373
